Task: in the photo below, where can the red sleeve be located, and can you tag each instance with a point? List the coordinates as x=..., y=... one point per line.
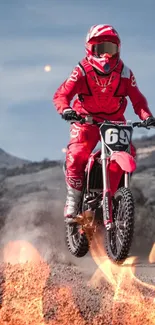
x=68, y=89
x=138, y=100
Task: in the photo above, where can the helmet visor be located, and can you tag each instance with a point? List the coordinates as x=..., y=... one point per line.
x=105, y=47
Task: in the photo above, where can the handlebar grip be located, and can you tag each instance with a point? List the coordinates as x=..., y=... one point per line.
x=138, y=124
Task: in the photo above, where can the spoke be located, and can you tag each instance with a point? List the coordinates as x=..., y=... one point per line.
x=113, y=241
x=120, y=241
x=119, y=225
x=120, y=211
x=119, y=231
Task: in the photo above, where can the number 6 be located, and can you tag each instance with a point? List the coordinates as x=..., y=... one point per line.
x=111, y=136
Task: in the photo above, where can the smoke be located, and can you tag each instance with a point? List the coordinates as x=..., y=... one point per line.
x=39, y=222
x=144, y=231
x=31, y=209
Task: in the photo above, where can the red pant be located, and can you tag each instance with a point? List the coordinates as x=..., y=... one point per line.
x=84, y=139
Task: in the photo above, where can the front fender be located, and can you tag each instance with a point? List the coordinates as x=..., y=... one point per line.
x=124, y=160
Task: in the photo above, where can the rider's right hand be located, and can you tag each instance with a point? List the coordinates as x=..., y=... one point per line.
x=69, y=114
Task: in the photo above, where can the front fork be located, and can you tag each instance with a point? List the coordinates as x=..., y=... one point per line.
x=127, y=179
x=107, y=197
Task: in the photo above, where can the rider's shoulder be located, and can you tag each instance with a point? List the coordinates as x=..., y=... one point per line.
x=126, y=71
x=77, y=73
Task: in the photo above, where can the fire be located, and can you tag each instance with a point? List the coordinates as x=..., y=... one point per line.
x=152, y=255
x=133, y=300
x=26, y=273
x=20, y=252
x=105, y=267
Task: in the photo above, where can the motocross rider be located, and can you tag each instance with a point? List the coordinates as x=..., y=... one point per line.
x=101, y=83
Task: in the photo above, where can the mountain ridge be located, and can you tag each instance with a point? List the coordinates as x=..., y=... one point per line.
x=145, y=147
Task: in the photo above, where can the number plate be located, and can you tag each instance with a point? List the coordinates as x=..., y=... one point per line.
x=116, y=137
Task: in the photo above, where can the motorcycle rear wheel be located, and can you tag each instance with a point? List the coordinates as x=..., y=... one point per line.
x=78, y=242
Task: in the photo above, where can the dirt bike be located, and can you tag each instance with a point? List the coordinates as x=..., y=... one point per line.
x=106, y=197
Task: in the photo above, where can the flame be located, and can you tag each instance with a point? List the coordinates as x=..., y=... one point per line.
x=133, y=300
x=26, y=274
x=20, y=252
x=105, y=266
x=152, y=254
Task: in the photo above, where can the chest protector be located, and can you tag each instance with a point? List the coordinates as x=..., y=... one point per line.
x=101, y=95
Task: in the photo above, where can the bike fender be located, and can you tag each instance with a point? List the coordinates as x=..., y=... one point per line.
x=124, y=160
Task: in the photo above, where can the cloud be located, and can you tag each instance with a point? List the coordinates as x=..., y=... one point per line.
x=33, y=34
x=62, y=14
x=53, y=34
x=23, y=79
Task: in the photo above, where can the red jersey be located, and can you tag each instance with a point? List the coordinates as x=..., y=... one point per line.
x=103, y=97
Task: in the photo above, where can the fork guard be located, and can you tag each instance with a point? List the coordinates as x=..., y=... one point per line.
x=124, y=160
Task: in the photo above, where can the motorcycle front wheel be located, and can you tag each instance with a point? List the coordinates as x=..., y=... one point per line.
x=118, y=239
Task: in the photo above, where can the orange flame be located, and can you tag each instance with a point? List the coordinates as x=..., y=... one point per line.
x=20, y=252
x=22, y=297
x=152, y=254
x=133, y=300
x=26, y=274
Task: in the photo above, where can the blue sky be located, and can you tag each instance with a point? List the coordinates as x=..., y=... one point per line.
x=36, y=33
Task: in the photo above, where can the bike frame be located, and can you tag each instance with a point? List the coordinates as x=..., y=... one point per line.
x=115, y=163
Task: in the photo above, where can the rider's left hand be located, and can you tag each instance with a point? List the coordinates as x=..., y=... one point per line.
x=150, y=121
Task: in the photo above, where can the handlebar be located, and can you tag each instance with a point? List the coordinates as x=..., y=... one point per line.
x=89, y=120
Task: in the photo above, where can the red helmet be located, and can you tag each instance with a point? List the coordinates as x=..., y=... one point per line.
x=103, y=48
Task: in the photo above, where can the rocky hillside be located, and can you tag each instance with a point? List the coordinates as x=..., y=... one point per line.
x=145, y=152
x=9, y=161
